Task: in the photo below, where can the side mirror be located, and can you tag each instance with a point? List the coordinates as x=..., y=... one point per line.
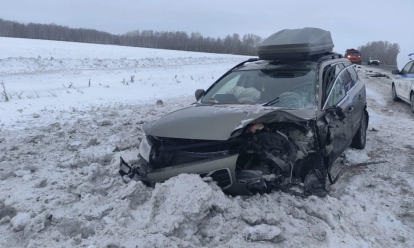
x=337, y=111
x=199, y=93
x=395, y=72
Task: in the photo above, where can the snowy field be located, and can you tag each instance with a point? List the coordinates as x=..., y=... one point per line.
x=52, y=76
x=60, y=148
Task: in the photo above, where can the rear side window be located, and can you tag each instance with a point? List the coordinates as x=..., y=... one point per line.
x=353, y=74
x=412, y=70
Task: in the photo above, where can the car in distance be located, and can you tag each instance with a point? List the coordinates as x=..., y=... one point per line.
x=353, y=55
x=270, y=123
x=403, y=84
x=373, y=61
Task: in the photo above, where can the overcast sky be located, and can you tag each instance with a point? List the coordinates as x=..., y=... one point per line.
x=352, y=23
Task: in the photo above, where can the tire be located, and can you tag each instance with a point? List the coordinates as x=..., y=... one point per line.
x=412, y=102
x=394, y=94
x=369, y=63
x=360, y=138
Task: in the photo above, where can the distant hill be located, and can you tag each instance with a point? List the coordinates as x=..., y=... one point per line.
x=178, y=40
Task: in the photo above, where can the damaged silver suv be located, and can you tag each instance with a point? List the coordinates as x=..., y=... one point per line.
x=277, y=122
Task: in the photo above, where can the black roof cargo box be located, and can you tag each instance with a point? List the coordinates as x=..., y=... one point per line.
x=295, y=44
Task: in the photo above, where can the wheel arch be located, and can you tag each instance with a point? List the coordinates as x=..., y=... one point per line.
x=367, y=114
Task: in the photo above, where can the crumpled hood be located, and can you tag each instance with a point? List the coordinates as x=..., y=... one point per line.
x=215, y=122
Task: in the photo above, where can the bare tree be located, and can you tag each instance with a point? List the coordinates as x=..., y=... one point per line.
x=176, y=40
x=386, y=52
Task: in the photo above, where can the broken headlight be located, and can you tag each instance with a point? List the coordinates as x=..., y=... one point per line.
x=144, y=148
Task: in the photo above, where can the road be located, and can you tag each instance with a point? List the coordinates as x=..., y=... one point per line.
x=382, y=66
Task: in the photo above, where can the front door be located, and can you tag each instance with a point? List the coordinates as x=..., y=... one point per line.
x=404, y=80
x=339, y=112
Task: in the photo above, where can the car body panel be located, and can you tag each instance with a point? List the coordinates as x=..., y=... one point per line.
x=217, y=122
x=207, y=122
x=357, y=96
x=404, y=82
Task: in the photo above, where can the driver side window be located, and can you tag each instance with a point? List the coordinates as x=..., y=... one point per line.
x=406, y=68
x=339, y=89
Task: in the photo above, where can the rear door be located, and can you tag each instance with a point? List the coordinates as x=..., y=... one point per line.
x=409, y=84
x=403, y=82
x=357, y=97
x=411, y=75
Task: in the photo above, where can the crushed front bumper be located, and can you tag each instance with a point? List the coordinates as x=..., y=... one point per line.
x=222, y=170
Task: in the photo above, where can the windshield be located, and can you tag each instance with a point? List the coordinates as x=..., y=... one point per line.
x=289, y=88
x=374, y=58
x=354, y=54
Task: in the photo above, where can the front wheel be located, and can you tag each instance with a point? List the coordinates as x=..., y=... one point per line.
x=412, y=102
x=360, y=138
x=394, y=94
x=313, y=173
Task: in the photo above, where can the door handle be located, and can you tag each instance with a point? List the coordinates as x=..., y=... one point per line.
x=350, y=109
x=360, y=96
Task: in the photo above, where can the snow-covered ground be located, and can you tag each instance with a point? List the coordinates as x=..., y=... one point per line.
x=59, y=155
x=52, y=76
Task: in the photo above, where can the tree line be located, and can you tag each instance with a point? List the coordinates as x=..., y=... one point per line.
x=385, y=51
x=179, y=40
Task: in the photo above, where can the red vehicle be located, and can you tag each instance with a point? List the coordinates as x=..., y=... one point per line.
x=353, y=55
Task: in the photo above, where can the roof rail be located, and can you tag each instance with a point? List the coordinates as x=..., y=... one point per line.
x=319, y=58
x=329, y=57
x=244, y=62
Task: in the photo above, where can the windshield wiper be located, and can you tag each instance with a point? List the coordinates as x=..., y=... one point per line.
x=276, y=100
